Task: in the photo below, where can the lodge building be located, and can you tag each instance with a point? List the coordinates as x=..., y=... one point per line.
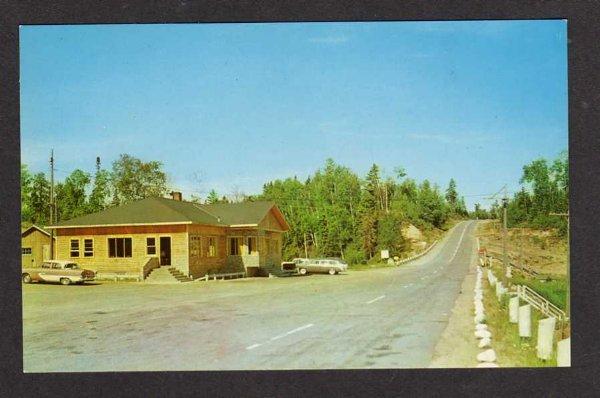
x=196, y=239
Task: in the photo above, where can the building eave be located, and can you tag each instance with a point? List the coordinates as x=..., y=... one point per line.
x=119, y=225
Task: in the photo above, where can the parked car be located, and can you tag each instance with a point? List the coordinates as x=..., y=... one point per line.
x=304, y=266
x=64, y=272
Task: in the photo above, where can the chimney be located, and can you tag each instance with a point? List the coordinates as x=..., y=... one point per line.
x=176, y=196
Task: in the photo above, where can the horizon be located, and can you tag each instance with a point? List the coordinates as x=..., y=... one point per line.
x=440, y=99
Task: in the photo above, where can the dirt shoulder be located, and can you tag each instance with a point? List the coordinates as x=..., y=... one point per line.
x=540, y=250
x=457, y=347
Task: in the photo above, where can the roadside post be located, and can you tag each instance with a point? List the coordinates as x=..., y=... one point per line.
x=525, y=321
x=545, y=338
x=513, y=309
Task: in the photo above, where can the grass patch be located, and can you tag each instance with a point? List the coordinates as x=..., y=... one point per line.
x=554, y=290
x=512, y=350
x=368, y=266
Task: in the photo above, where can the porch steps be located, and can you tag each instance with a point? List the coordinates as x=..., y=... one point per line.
x=166, y=274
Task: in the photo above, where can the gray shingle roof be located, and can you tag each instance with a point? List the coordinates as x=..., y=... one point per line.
x=162, y=210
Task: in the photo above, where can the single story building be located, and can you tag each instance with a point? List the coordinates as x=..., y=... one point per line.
x=196, y=239
x=35, y=246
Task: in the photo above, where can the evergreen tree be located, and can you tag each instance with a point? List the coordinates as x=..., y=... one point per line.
x=452, y=196
x=39, y=199
x=212, y=197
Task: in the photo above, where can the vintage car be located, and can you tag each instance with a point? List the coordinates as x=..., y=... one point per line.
x=64, y=272
x=304, y=266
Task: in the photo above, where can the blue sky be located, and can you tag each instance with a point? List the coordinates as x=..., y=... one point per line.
x=238, y=105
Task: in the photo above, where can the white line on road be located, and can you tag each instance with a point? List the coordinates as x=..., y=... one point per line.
x=253, y=346
x=376, y=299
x=459, y=242
x=292, y=331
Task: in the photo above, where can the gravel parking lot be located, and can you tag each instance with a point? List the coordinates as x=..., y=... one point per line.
x=390, y=317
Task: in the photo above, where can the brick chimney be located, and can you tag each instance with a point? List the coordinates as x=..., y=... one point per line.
x=176, y=196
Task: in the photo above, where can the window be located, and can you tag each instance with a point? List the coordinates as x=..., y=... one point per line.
x=119, y=247
x=55, y=266
x=26, y=250
x=150, y=246
x=74, y=247
x=195, y=245
x=45, y=265
x=71, y=266
x=252, y=246
x=211, y=246
x=235, y=246
x=88, y=248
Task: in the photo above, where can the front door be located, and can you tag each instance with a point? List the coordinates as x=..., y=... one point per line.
x=45, y=252
x=165, y=250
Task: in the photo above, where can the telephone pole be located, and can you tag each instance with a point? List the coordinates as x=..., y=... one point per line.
x=52, y=212
x=504, y=243
x=568, y=303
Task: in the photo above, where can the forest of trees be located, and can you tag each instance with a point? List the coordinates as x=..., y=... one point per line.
x=337, y=213
x=81, y=193
x=544, y=190
x=334, y=212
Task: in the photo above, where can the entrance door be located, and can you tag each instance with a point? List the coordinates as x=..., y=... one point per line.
x=46, y=252
x=165, y=250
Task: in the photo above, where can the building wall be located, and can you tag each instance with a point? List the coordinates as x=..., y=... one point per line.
x=35, y=240
x=203, y=264
x=101, y=262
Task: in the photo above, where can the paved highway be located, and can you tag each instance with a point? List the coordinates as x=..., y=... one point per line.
x=381, y=318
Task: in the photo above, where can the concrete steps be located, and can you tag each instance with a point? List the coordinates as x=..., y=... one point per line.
x=166, y=274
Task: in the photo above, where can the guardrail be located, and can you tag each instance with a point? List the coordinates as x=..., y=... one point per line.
x=424, y=252
x=540, y=303
x=230, y=275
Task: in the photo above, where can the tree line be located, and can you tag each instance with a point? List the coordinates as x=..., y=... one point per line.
x=544, y=190
x=334, y=212
x=81, y=193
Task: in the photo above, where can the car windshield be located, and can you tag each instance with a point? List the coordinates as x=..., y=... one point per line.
x=71, y=266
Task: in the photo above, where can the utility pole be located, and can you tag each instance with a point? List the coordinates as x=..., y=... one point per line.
x=505, y=261
x=97, y=165
x=568, y=304
x=52, y=215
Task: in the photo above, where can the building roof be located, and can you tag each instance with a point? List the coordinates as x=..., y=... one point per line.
x=25, y=231
x=168, y=211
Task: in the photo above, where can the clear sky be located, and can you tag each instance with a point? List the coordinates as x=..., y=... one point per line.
x=241, y=104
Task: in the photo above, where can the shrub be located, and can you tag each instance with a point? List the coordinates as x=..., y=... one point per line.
x=354, y=255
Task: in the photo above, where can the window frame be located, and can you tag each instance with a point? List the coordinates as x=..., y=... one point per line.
x=124, y=239
x=71, y=250
x=238, y=248
x=26, y=251
x=213, y=246
x=151, y=246
x=85, y=251
x=255, y=246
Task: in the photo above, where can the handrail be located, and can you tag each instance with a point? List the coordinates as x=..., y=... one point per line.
x=223, y=275
x=151, y=264
x=541, y=303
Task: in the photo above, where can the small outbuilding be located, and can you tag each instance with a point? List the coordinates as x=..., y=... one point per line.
x=35, y=246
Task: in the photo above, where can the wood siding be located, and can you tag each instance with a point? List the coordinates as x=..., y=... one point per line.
x=101, y=262
x=270, y=222
x=34, y=240
x=203, y=264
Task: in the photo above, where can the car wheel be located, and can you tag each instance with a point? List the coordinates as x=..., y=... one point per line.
x=302, y=271
x=26, y=278
x=65, y=281
x=332, y=271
